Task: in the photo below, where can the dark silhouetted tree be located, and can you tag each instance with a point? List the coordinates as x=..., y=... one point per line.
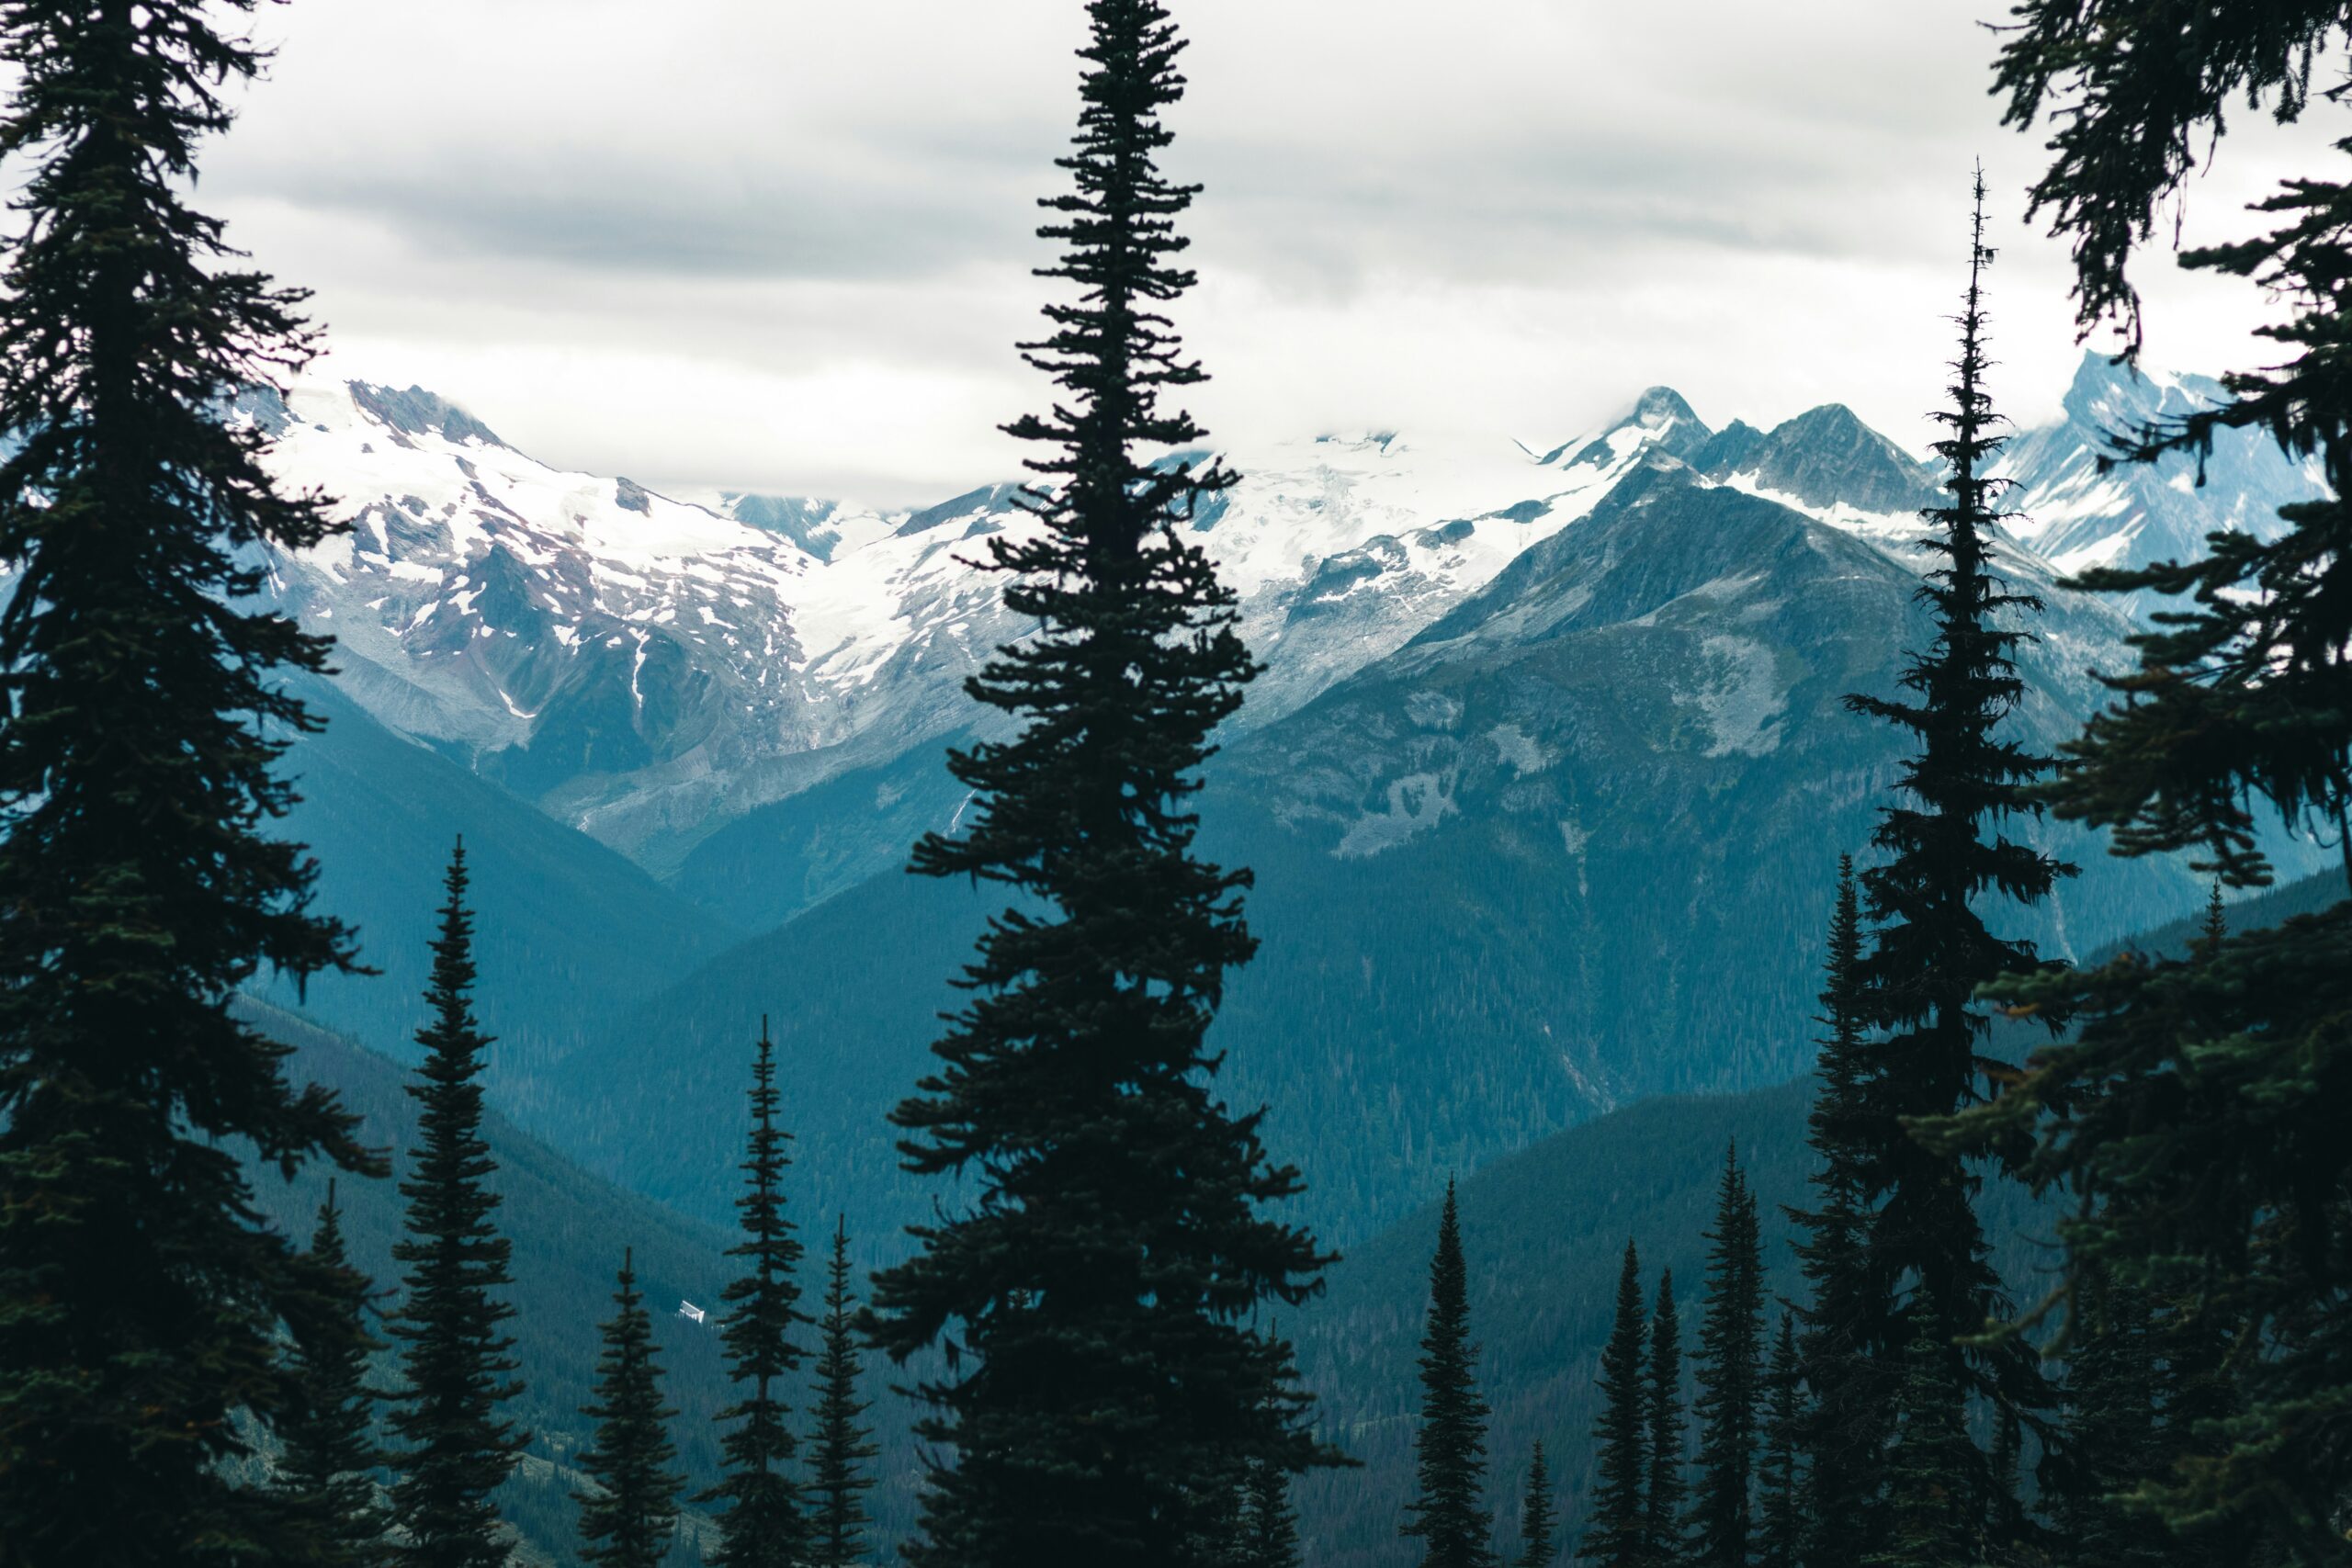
x=1104, y=1384
x=1667, y=1484
x=455, y=1360
x=1934, y=1517
x=2115, y=1440
x=143, y=867
x=839, y=1446
x=1449, y=1515
x=627, y=1520
x=2190, y=1099
x=762, y=1524
x=327, y=1467
x=1946, y=845
x=1780, y=1512
x=1270, y=1524
x=1843, y=1420
x=1539, y=1519
x=1615, y=1535
x=1730, y=1376
x=2215, y=930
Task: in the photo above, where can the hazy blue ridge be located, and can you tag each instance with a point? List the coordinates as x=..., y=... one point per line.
x=568, y=1228
x=1569, y=848
x=569, y=933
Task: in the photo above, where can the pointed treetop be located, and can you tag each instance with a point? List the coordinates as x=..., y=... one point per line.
x=1538, y=1515
x=2216, y=928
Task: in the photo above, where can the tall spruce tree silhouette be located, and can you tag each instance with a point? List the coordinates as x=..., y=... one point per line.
x=1842, y=1421
x=1780, y=1504
x=1449, y=1515
x=1730, y=1376
x=1662, y=1413
x=762, y=1524
x=456, y=1361
x=840, y=1447
x=1104, y=1387
x=631, y=1516
x=1268, y=1520
x=327, y=1466
x=1945, y=846
x=1615, y=1534
x=141, y=712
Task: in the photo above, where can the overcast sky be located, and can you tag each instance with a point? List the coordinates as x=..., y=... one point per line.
x=770, y=244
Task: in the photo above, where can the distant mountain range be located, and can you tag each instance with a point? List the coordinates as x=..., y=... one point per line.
x=1544, y=786
x=649, y=671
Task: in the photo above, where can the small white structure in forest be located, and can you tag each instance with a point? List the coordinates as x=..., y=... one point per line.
x=688, y=1310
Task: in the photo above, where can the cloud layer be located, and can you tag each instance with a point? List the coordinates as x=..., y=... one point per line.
x=720, y=243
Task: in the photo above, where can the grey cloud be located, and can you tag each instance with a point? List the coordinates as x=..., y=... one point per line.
x=1488, y=211
x=584, y=214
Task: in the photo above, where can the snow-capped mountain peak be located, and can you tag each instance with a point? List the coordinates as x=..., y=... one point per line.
x=2081, y=513
x=1660, y=420
x=648, y=668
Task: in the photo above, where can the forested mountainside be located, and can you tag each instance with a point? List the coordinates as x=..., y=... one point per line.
x=1571, y=846
x=570, y=932
x=1543, y=1233
x=1550, y=838
x=1544, y=1227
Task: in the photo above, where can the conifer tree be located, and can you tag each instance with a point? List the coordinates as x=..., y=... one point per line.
x=1097, y=1293
x=455, y=1361
x=2191, y=1098
x=628, y=1520
x=1931, y=1522
x=1449, y=1515
x=1270, y=1523
x=330, y=1456
x=2188, y=1345
x=1220, y=1524
x=1616, y=1535
x=1730, y=1376
x=1843, y=1419
x=1539, y=1520
x=837, y=1478
x=1945, y=844
x=762, y=1524
x=2215, y=930
x=143, y=869
x=2200, y=1403
x=2114, y=1441
x=1780, y=1513
x=1668, y=1486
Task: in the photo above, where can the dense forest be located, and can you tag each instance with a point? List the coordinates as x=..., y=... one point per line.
x=2040, y=1259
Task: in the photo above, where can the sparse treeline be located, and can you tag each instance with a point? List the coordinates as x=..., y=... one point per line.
x=791, y=1494
x=2195, y=1113
x=2192, y=1405
x=1887, y=1433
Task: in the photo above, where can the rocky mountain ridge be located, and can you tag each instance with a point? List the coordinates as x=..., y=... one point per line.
x=651, y=671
